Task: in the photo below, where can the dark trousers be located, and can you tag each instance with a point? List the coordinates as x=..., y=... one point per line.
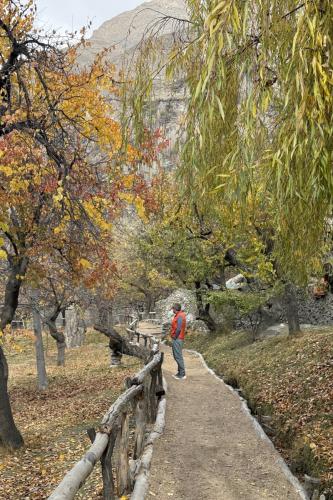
x=177, y=351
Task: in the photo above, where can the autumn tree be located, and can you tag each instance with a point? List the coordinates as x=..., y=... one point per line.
x=60, y=159
x=182, y=243
x=139, y=277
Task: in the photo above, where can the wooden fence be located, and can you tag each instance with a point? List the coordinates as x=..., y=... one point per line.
x=141, y=338
x=137, y=406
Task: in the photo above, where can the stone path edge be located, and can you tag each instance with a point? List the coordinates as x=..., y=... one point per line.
x=259, y=430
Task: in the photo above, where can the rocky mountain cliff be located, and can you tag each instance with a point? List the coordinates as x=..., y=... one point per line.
x=123, y=33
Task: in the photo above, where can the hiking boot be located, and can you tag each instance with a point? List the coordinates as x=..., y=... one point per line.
x=179, y=377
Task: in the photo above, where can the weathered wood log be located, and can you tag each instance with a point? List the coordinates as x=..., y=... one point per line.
x=144, y=463
x=106, y=463
x=110, y=418
x=74, y=479
x=152, y=397
x=159, y=423
x=139, y=377
x=119, y=344
x=160, y=391
x=140, y=426
x=91, y=434
x=141, y=480
x=123, y=475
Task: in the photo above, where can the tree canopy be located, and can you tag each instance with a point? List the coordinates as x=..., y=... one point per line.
x=258, y=127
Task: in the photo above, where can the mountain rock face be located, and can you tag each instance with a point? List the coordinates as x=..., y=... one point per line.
x=122, y=34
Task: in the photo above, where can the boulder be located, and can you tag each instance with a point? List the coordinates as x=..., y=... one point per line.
x=187, y=300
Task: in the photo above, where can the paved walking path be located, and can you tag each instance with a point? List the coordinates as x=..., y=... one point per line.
x=149, y=328
x=210, y=448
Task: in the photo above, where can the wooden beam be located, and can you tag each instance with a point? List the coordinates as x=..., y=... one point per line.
x=119, y=344
x=139, y=377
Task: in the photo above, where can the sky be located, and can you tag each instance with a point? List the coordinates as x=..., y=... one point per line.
x=70, y=15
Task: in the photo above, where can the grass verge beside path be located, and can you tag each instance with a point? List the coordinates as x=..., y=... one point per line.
x=54, y=423
x=288, y=380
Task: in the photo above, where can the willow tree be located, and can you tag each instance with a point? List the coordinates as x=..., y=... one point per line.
x=258, y=123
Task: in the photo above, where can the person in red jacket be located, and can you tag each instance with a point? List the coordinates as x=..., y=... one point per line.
x=178, y=328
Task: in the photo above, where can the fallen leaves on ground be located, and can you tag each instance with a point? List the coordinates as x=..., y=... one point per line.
x=54, y=422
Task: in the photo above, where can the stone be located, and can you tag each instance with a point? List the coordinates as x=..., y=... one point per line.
x=182, y=296
x=236, y=283
x=187, y=300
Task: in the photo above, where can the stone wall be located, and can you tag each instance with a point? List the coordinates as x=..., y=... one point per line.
x=311, y=311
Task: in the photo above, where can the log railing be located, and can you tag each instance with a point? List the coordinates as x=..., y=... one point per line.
x=145, y=339
x=119, y=455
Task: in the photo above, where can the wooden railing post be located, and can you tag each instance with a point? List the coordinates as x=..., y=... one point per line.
x=106, y=463
x=152, y=397
x=160, y=387
x=140, y=398
x=140, y=425
x=123, y=473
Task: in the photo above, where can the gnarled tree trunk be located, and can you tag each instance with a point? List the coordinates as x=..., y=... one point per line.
x=59, y=337
x=203, y=310
x=10, y=436
x=119, y=346
x=148, y=302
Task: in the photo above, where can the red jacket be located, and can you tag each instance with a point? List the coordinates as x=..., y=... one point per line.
x=178, y=326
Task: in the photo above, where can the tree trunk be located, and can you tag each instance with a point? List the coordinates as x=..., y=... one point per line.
x=10, y=436
x=75, y=328
x=203, y=311
x=291, y=305
x=39, y=348
x=59, y=337
x=119, y=345
x=148, y=303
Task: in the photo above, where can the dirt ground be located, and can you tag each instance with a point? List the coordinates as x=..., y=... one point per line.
x=210, y=447
x=54, y=422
